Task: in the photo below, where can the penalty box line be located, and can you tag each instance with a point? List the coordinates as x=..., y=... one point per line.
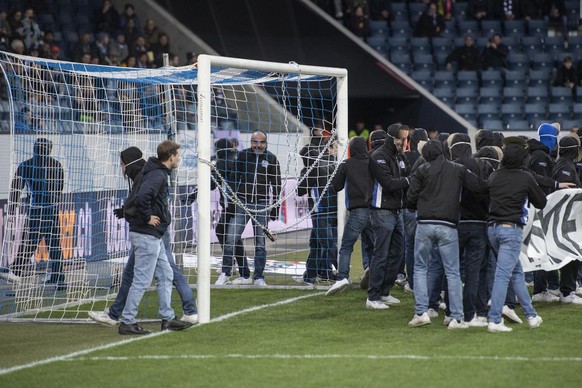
x=69, y=357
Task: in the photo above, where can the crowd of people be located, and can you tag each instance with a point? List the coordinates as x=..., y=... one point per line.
x=452, y=220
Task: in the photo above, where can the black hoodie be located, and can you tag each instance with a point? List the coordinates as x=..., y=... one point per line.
x=565, y=169
x=354, y=175
x=151, y=199
x=436, y=185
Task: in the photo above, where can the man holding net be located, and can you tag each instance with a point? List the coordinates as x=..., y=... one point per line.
x=257, y=177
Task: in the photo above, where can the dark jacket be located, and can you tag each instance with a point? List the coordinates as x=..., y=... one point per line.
x=565, y=169
x=354, y=175
x=540, y=161
x=224, y=173
x=436, y=186
x=389, y=184
x=467, y=58
x=510, y=187
x=474, y=206
x=255, y=174
x=151, y=199
x=315, y=185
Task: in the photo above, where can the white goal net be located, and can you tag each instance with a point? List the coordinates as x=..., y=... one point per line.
x=253, y=135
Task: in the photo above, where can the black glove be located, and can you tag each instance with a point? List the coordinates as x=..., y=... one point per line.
x=118, y=212
x=274, y=215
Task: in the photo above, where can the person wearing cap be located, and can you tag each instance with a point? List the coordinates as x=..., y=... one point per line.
x=353, y=175
x=44, y=179
x=132, y=164
x=565, y=171
x=388, y=193
x=224, y=176
x=510, y=187
x=435, y=189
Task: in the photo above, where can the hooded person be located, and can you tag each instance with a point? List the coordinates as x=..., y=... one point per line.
x=483, y=138
x=540, y=161
x=376, y=139
x=435, y=188
x=491, y=154
x=548, y=135
x=353, y=175
x=417, y=135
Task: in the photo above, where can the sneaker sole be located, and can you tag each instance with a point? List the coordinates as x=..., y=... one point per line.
x=337, y=290
x=419, y=324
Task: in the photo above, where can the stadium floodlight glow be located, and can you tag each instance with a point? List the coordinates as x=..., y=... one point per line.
x=89, y=113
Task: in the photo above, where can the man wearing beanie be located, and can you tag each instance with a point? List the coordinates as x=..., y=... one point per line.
x=565, y=171
x=434, y=191
x=387, y=202
x=510, y=187
x=132, y=164
x=548, y=135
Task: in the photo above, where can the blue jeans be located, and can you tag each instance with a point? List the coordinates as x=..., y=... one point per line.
x=239, y=251
x=355, y=224
x=180, y=282
x=409, y=218
x=435, y=279
x=323, y=244
x=150, y=259
x=388, y=250
x=368, y=240
x=506, y=243
x=235, y=228
x=472, y=244
x=447, y=241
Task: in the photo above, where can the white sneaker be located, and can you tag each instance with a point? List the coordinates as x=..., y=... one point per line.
x=579, y=291
x=447, y=320
x=454, y=325
x=102, y=318
x=477, y=321
x=555, y=292
x=338, y=287
x=498, y=327
x=390, y=300
x=571, y=299
x=432, y=313
x=376, y=305
x=260, y=283
x=407, y=289
x=419, y=320
x=510, y=314
x=222, y=280
x=240, y=281
x=442, y=305
x=544, y=296
x=401, y=280
x=190, y=318
x=534, y=322
x=10, y=277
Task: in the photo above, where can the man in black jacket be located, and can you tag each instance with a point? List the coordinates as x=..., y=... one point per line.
x=353, y=175
x=434, y=191
x=149, y=217
x=257, y=173
x=387, y=203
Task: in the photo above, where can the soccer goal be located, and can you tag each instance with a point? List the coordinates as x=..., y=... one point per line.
x=63, y=126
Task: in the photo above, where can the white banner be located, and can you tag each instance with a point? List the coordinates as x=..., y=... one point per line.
x=552, y=236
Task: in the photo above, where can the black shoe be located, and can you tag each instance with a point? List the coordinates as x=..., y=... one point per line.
x=134, y=328
x=175, y=324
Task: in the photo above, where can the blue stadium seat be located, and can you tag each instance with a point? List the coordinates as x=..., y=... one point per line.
x=554, y=44
x=491, y=77
x=491, y=27
x=513, y=94
x=575, y=43
x=440, y=58
x=468, y=27
x=513, y=43
x=467, y=111
x=446, y=94
x=467, y=78
x=423, y=61
x=461, y=9
x=535, y=111
x=493, y=125
x=577, y=112
x=379, y=27
x=540, y=77
x=490, y=95
x=444, y=44
x=399, y=11
x=567, y=124
x=420, y=45
x=424, y=78
x=518, y=61
x=532, y=44
x=512, y=111
x=537, y=27
x=489, y=112
x=517, y=125
x=444, y=78
x=515, y=78
x=402, y=61
x=398, y=44
x=450, y=30
x=559, y=111
x=415, y=11
x=542, y=61
x=467, y=95
x=537, y=94
x=514, y=28
x=561, y=94
x=401, y=28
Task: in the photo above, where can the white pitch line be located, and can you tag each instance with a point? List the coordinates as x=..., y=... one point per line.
x=221, y=318
x=334, y=356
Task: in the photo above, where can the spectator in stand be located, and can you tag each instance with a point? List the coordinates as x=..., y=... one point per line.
x=143, y=61
x=359, y=22
x=118, y=47
x=163, y=46
x=446, y=8
x=55, y=53
x=30, y=30
x=191, y=58
x=5, y=31
x=18, y=47
x=360, y=130
x=530, y=9
x=151, y=32
x=466, y=56
x=430, y=24
x=130, y=61
x=107, y=18
x=555, y=12
x=138, y=47
x=15, y=23
x=129, y=14
x=82, y=47
x=102, y=48
x=48, y=40
x=481, y=9
x=132, y=31
x=381, y=10
x=495, y=53
x=567, y=75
